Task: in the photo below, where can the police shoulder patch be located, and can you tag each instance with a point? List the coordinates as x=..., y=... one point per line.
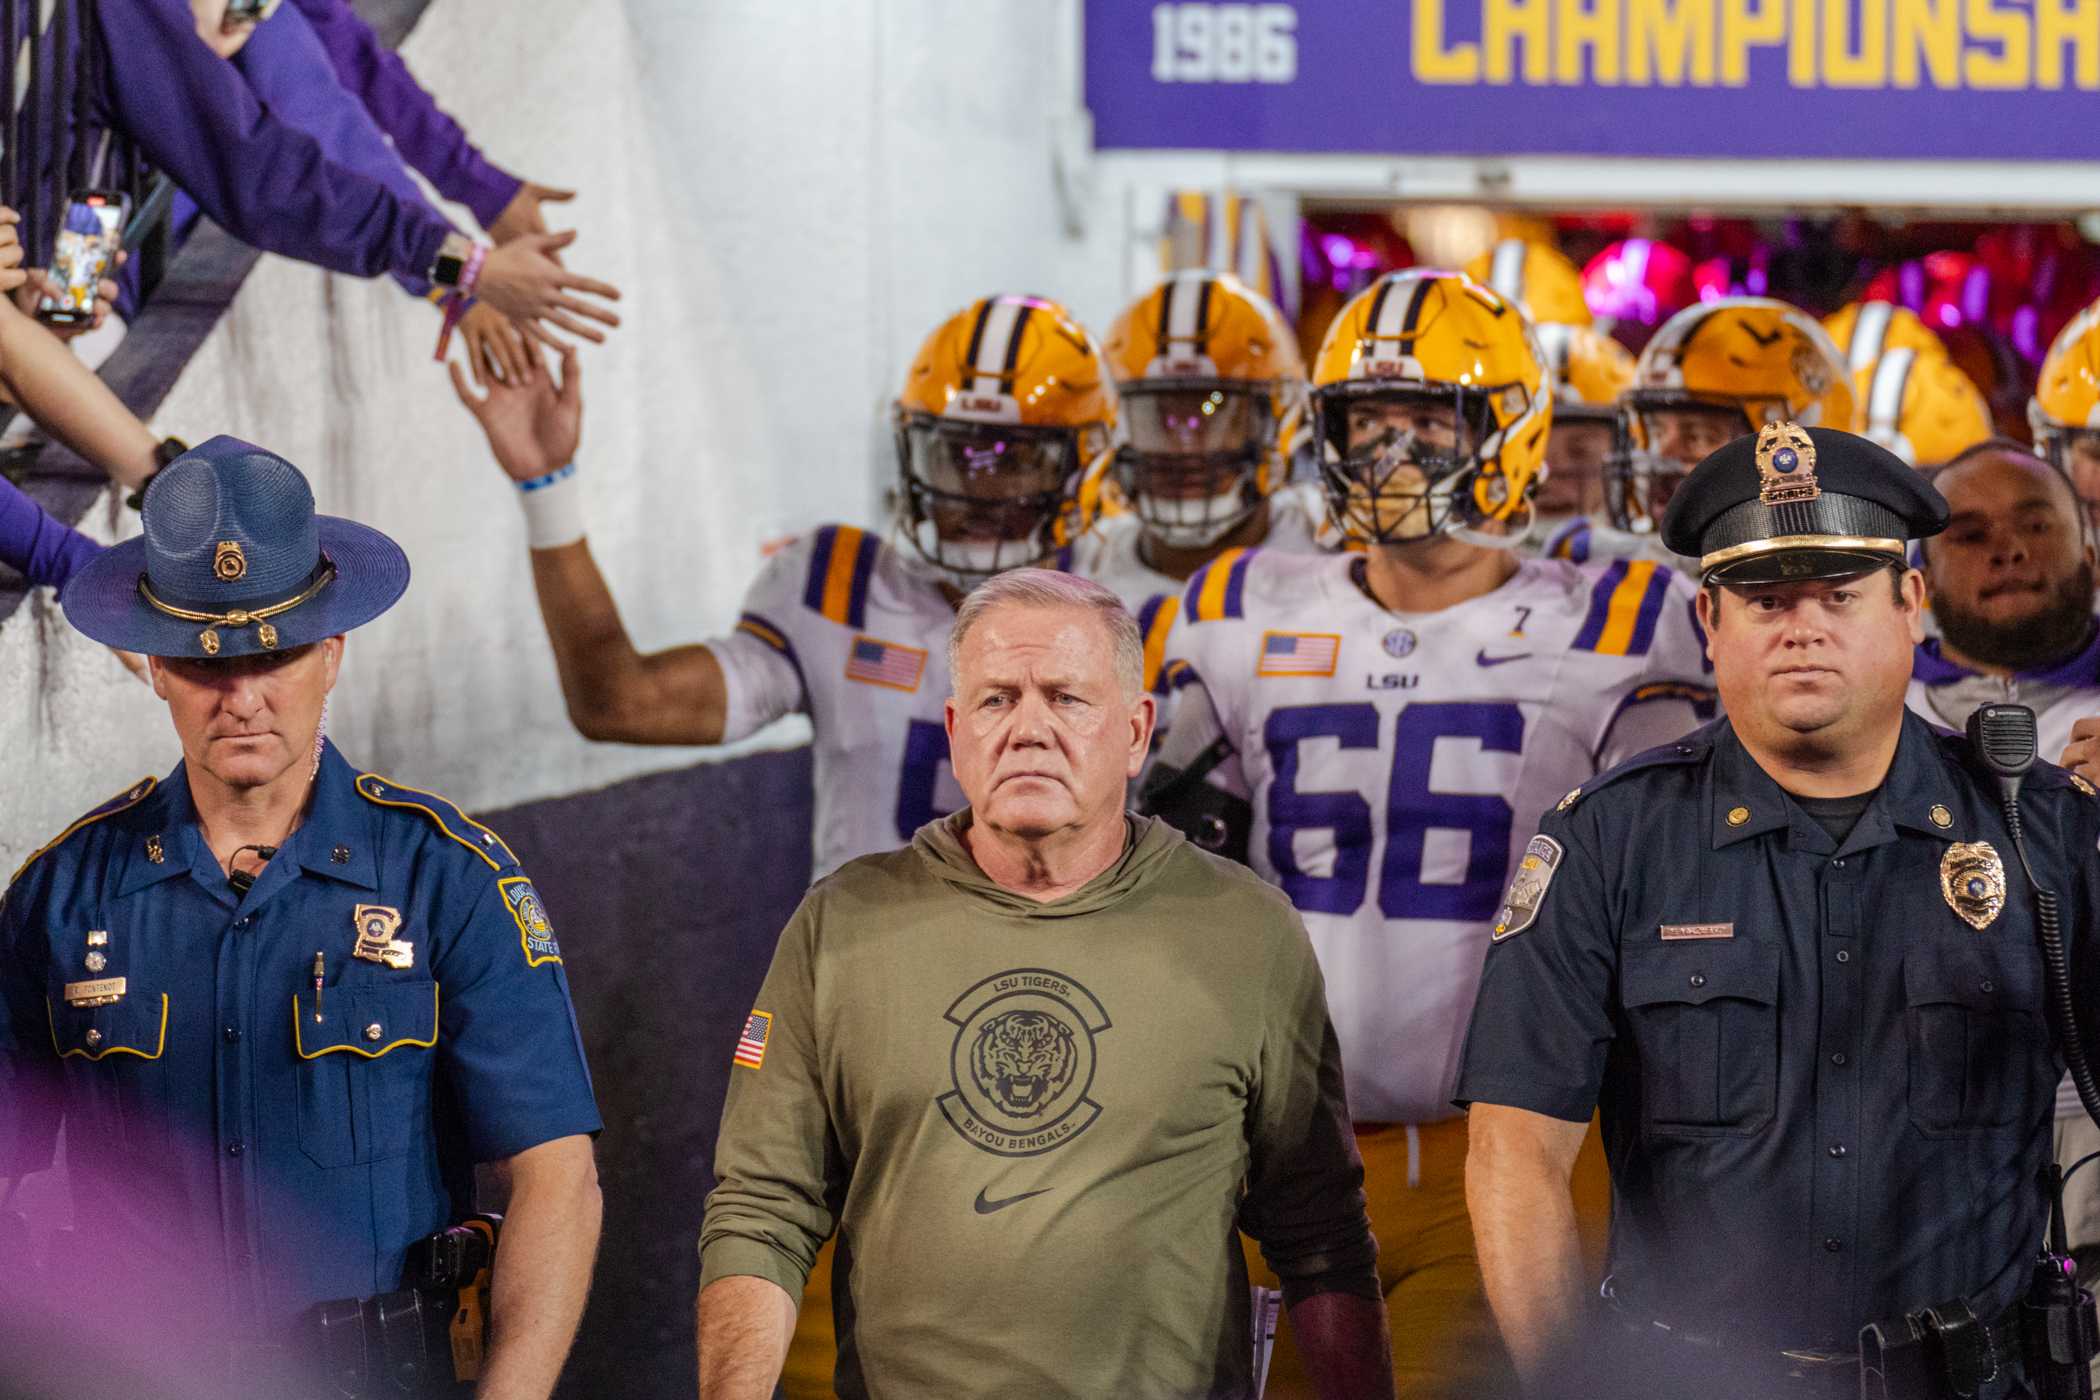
x=1527, y=888
x=535, y=933
x=443, y=813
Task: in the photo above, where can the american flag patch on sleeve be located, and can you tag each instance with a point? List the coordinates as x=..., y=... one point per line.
x=875, y=662
x=751, y=1045
x=1298, y=654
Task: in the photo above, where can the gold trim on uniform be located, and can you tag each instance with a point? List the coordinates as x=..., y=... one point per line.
x=1972, y=879
x=1941, y=817
x=1738, y=815
x=2078, y=781
x=239, y=617
x=1566, y=802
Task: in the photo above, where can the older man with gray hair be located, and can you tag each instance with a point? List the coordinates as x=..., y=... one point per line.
x=1034, y=1069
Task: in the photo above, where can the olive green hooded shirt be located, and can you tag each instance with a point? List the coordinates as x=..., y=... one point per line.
x=1036, y=1125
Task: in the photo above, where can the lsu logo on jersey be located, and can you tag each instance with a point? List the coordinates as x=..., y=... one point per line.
x=535, y=933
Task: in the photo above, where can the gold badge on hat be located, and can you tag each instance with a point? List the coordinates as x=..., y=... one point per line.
x=209, y=640
x=376, y=924
x=1786, y=465
x=229, y=562
x=1973, y=880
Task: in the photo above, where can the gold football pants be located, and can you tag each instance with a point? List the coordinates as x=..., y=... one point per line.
x=1445, y=1344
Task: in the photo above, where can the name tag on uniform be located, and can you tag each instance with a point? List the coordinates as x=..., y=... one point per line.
x=1674, y=932
x=103, y=991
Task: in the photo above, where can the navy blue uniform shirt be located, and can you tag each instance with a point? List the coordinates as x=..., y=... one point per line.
x=1826, y=1097
x=224, y=1126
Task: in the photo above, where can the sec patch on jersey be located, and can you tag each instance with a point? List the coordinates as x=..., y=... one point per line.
x=1527, y=888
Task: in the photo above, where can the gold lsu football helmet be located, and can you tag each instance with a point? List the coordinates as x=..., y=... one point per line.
x=1210, y=394
x=1543, y=282
x=1713, y=373
x=1003, y=435
x=1866, y=330
x=1921, y=407
x=2065, y=409
x=1431, y=409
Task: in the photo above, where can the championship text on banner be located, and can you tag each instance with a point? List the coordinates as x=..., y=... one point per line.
x=1843, y=79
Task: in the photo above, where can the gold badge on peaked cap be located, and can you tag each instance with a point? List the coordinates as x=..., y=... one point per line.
x=229, y=562
x=1972, y=878
x=1786, y=465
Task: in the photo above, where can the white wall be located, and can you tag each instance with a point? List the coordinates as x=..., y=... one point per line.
x=791, y=196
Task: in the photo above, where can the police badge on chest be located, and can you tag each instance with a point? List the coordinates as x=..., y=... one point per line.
x=376, y=924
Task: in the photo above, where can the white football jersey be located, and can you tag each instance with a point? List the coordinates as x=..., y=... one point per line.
x=847, y=629
x=1108, y=554
x=1397, y=763
x=1587, y=540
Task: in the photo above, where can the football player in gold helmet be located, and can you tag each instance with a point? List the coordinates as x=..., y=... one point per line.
x=1713, y=373
x=1341, y=719
x=1920, y=406
x=2065, y=409
x=1211, y=405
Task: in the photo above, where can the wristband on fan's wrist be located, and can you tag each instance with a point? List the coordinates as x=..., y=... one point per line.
x=553, y=507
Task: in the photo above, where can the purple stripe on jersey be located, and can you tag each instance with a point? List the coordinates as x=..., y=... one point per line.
x=1651, y=609
x=820, y=569
x=1600, y=607
x=1236, y=581
x=863, y=567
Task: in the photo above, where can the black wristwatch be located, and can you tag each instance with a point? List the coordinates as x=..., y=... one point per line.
x=451, y=261
x=164, y=452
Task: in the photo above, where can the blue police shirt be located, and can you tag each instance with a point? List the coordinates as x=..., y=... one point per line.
x=1826, y=1096
x=225, y=1125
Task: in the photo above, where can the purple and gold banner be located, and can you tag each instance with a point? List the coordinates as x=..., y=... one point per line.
x=1840, y=79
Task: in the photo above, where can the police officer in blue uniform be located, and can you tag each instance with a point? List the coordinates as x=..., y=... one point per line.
x=281, y=1008
x=1793, y=960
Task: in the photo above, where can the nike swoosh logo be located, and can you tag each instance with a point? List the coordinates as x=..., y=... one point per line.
x=1485, y=660
x=987, y=1207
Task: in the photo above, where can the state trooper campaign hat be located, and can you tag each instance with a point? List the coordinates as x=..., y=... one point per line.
x=1795, y=503
x=233, y=562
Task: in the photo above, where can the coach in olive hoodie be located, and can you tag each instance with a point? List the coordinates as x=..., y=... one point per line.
x=1034, y=1069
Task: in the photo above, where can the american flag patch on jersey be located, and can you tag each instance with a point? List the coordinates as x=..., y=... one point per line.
x=1298, y=654
x=875, y=662
x=751, y=1045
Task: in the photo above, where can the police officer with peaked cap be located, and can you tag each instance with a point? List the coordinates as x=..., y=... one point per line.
x=1793, y=960
x=281, y=1008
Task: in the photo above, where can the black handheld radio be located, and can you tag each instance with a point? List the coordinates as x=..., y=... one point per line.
x=2059, y=1331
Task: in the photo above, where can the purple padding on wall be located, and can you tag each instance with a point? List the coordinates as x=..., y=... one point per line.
x=667, y=894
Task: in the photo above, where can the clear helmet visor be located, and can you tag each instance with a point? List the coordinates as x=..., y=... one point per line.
x=983, y=497
x=1189, y=456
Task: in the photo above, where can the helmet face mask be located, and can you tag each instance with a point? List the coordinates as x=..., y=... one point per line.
x=1192, y=455
x=979, y=498
x=1403, y=462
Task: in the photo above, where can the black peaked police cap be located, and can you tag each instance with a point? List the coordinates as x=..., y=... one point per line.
x=1795, y=503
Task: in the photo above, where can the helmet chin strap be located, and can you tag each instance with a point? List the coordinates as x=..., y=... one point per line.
x=1508, y=539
